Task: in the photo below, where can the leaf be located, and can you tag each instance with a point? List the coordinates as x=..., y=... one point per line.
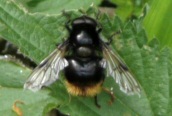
x=158, y=22
x=29, y=29
x=129, y=8
x=11, y=90
x=12, y=79
x=56, y=6
x=36, y=35
x=169, y=112
x=150, y=66
x=34, y=103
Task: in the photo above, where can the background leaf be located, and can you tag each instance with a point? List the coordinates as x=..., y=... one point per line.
x=17, y=75
x=11, y=90
x=56, y=6
x=158, y=22
x=127, y=9
x=169, y=113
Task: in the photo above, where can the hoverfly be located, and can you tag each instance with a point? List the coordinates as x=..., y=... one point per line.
x=85, y=59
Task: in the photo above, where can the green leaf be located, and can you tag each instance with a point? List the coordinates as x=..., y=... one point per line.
x=169, y=112
x=57, y=6
x=17, y=75
x=158, y=22
x=11, y=90
x=34, y=103
x=129, y=8
x=36, y=35
x=27, y=30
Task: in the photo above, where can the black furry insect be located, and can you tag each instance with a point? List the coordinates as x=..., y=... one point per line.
x=84, y=58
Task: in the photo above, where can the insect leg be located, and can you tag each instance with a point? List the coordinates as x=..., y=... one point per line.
x=96, y=102
x=112, y=97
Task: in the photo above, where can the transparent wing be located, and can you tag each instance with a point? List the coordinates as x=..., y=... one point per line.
x=47, y=71
x=119, y=71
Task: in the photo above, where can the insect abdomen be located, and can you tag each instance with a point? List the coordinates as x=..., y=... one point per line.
x=84, y=75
